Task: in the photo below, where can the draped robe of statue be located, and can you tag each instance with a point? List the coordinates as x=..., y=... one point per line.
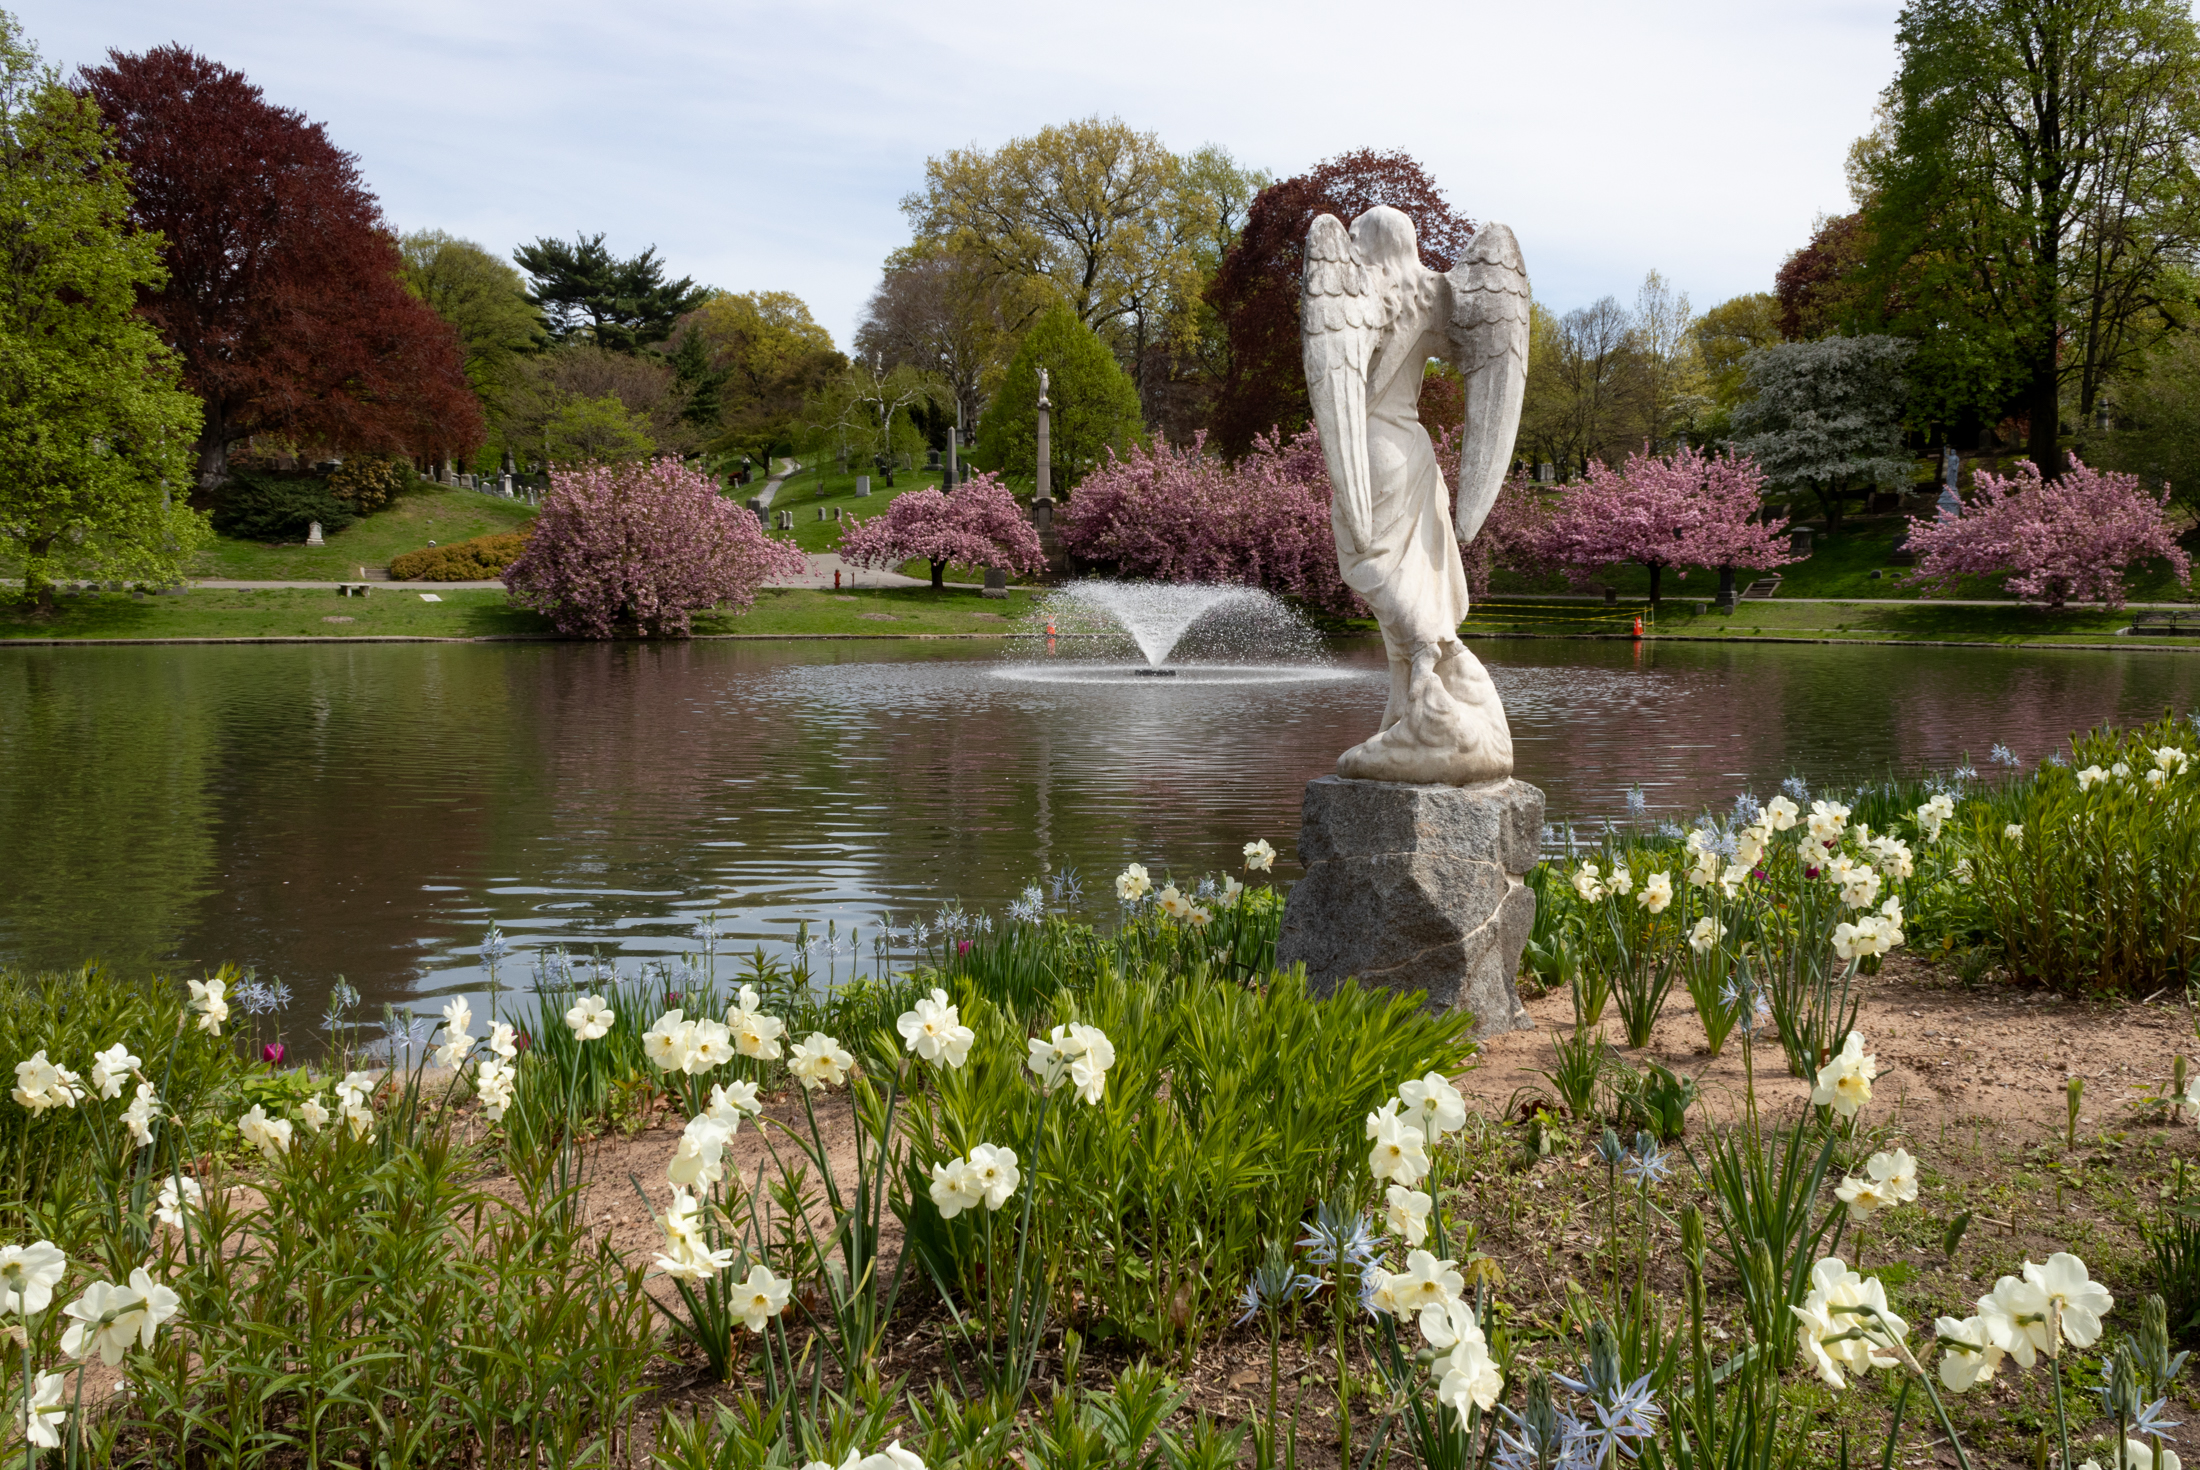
x=1372, y=316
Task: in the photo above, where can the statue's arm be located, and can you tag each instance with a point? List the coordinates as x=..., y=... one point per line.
x=1488, y=336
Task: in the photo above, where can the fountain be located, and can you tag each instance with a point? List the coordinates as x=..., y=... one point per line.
x=1102, y=631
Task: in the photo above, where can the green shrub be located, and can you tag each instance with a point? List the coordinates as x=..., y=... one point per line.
x=462, y=561
x=265, y=505
x=368, y=482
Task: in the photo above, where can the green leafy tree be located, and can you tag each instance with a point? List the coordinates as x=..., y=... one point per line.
x=482, y=297
x=2034, y=196
x=1826, y=417
x=596, y=431
x=587, y=294
x=1725, y=336
x=1095, y=405
x=95, y=427
x=764, y=357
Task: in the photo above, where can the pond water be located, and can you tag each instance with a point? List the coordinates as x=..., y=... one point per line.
x=367, y=810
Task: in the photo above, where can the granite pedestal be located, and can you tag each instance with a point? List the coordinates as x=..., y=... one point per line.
x=1417, y=888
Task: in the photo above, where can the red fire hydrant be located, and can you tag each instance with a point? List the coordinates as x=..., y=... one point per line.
x=836, y=579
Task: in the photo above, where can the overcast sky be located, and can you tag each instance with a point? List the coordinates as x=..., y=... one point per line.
x=768, y=147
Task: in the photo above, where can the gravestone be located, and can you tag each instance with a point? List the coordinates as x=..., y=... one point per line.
x=504, y=485
x=821, y=512
x=1799, y=540
x=1546, y=472
x=863, y=485
x=1417, y=888
x=931, y=459
x=836, y=512
x=313, y=535
x=996, y=582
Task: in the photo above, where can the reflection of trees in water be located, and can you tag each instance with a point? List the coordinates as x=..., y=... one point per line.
x=104, y=763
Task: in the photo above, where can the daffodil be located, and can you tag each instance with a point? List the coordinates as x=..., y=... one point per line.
x=955, y=1188
x=1888, y=1179
x=2079, y=1301
x=494, y=1083
x=1657, y=892
x=2171, y=760
x=590, y=1018
x=1259, y=856
x=1707, y=933
x=1845, y=1081
x=28, y=1275
x=2015, y=1316
x=665, y=1043
x=1471, y=1377
x=760, y=1298
x=2119, y=770
x=687, y=1255
x=1934, y=814
x=1780, y=814
x=111, y=1068
x=933, y=1029
x=503, y=1041
x=138, y=1117
x=1434, y=1104
x=48, y=1412
x=819, y=1062
x=40, y=1084
x=1173, y=902
x=1844, y=1323
x=209, y=998
x=2014, y=832
x=1407, y=1213
x=1586, y=884
x=1426, y=1282
x=1132, y=884
x=458, y=1017
x=1704, y=868
x=107, y=1316
x=271, y=1136
x=176, y=1193
x=1622, y=881
x=1398, y=1153
x=994, y=1169
x=1231, y=889
x=2090, y=777
x=698, y=1158
x=357, y=1116
x=1827, y=821
x=731, y=1101
x=1968, y=1356
x=314, y=1113
x=1860, y=887
x=710, y=1046
x=754, y=1033
x=1082, y=1054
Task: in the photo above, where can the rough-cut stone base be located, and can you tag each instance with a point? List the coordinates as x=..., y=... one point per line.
x=1417, y=888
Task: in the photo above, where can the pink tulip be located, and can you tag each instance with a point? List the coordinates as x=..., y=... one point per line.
x=273, y=1054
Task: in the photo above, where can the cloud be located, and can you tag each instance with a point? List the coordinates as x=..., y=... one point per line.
x=767, y=147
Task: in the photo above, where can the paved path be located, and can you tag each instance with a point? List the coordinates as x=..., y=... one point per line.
x=824, y=563
x=763, y=497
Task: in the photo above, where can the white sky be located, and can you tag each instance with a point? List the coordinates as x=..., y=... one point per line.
x=768, y=147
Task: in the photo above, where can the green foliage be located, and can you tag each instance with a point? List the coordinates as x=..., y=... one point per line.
x=95, y=428
x=462, y=561
x=271, y=505
x=368, y=482
x=592, y=430
x=1095, y=405
x=1826, y=417
x=587, y=294
x=482, y=298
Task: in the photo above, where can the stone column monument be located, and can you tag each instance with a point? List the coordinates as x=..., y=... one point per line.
x=1414, y=850
x=1042, y=498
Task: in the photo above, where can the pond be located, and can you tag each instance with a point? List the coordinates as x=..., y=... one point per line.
x=367, y=810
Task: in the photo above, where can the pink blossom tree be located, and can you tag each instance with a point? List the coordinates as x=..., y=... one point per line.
x=2061, y=540
x=1183, y=515
x=978, y=524
x=1688, y=509
x=1513, y=535
x=643, y=545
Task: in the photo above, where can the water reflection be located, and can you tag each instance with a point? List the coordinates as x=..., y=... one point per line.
x=367, y=810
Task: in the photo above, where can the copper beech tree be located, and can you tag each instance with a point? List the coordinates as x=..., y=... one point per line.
x=283, y=295
x=1256, y=291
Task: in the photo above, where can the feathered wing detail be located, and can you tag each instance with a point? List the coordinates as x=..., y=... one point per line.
x=1489, y=341
x=1339, y=320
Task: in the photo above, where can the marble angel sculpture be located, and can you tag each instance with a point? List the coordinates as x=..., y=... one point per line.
x=1372, y=316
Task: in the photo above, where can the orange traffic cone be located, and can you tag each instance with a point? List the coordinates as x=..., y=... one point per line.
x=1638, y=625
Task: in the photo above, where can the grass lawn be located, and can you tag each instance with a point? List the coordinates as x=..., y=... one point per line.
x=438, y=513
x=396, y=610
x=1860, y=620
x=808, y=492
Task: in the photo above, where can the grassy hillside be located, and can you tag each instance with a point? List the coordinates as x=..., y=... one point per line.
x=809, y=491
x=427, y=512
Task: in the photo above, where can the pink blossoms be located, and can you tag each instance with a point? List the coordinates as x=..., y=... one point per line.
x=641, y=545
x=2069, y=540
x=978, y=524
x=1688, y=510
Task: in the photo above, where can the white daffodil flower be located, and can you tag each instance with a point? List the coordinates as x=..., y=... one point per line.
x=1845, y=1082
x=1259, y=856
x=271, y=1136
x=1968, y=1356
x=1426, y=1282
x=1434, y=1104
x=754, y=1033
x=494, y=1081
x=590, y=1018
x=28, y=1275
x=710, y=1046
x=955, y=1188
x=48, y=1411
x=1173, y=902
x=458, y=1017
x=1657, y=892
x=1780, y=814
x=1888, y=1179
x=111, y=1068
x=2014, y=1315
x=1399, y=1154
x=138, y=1117
x=819, y=1062
x=933, y=1030
x=1827, y=821
x=698, y=1160
x=1080, y=1053
x=2171, y=760
x=665, y=1043
x=314, y=1113
x=2090, y=777
x=1406, y=1213
x=1708, y=932
x=210, y=999
x=1132, y=884
x=760, y=1298
x=1586, y=884
x=174, y=1199
x=2080, y=1302
x=107, y=1316
x=732, y=1101
x=503, y=1041
x=1833, y=1335
x=994, y=1170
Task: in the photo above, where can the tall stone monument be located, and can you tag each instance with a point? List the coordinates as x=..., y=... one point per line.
x=1414, y=850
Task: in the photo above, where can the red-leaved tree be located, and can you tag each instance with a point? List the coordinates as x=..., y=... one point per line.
x=282, y=295
x=978, y=524
x=2060, y=541
x=1687, y=509
x=1185, y=515
x=643, y=546
x=1256, y=289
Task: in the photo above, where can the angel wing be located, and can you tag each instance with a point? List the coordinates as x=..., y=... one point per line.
x=1340, y=319
x=1489, y=340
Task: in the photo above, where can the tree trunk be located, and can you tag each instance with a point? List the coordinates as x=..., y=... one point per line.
x=37, y=586
x=1655, y=568
x=939, y=575
x=213, y=448
x=1829, y=501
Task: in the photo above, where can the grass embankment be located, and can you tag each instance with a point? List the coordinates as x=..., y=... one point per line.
x=426, y=513
x=1862, y=622
x=396, y=610
x=808, y=492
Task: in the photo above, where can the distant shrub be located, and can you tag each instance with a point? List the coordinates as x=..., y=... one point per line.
x=461, y=561
x=265, y=505
x=642, y=546
x=367, y=482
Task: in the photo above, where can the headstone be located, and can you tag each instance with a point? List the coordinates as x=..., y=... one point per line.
x=466, y=481
x=1949, y=504
x=1042, y=516
x=821, y=512
x=931, y=459
x=1045, y=455
x=863, y=484
x=1799, y=540
x=996, y=582
x=1546, y=472
x=836, y=512
x=1417, y=888
x=313, y=535
x=508, y=468
x=504, y=485
x=756, y=506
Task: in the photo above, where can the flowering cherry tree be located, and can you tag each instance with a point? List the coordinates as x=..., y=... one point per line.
x=1688, y=509
x=978, y=524
x=1183, y=515
x=1514, y=534
x=642, y=545
x=2058, y=541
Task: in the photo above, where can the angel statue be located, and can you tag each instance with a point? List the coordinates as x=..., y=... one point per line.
x=1372, y=316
